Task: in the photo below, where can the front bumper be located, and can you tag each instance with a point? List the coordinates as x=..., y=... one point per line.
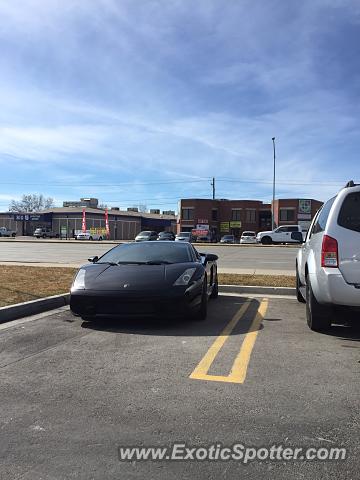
x=175, y=302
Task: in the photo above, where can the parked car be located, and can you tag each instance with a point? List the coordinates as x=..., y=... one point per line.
x=203, y=239
x=89, y=236
x=227, y=239
x=166, y=236
x=45, y=232
x=4, y=232
x=328, y=264
x=146, y=236
x=248, y=237
x=184, y=237
x=283, y=234
x=146, y=279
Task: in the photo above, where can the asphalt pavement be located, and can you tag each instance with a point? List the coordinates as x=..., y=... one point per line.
x=73, y=392
x=276, y=260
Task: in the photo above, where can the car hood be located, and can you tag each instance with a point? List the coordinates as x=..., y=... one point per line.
x=104, y=277
x=267, y=232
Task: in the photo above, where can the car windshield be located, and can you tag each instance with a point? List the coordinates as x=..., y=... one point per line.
x=152, y=252
x=184, y=234
x=144, y=234
x=228, y=237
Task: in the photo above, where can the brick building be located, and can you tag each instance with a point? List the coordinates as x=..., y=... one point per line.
x=235, y=216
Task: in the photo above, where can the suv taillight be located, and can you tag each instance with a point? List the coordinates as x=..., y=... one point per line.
x=329, y=252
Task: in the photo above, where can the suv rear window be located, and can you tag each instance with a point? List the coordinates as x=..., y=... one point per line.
x=349, y=216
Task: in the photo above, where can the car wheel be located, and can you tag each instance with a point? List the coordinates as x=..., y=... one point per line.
x=44, y=236
x=266, y=241
x=91, y=238
x=215, y=290
x=299, y=295
x=13, y=235
x=201, y=314
x=100, y=239
x=317, y=315
x=87, y=319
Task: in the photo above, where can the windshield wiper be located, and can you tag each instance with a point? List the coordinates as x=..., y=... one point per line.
x=130, y=263
x=158, y=262
x=113, y=264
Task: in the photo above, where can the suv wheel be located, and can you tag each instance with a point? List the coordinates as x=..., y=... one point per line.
x=317, y=316
x=299, y=295
x=44, y=236
x=266, y=240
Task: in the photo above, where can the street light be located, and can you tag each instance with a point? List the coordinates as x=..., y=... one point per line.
x=273, y=199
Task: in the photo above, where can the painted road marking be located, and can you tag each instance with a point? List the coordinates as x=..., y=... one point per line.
x=239, y=368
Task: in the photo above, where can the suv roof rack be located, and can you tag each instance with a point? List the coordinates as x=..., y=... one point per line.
x=351, y=183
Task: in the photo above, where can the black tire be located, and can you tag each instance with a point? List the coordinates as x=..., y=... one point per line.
x=100, y=239
x=266, y=240
x=44, y=236
x=201, y=314
x=57, y=235
x=318, y=316
x=215, y=290
x=299, y=296
x=13, y=235
x=87, y=319
x=91, y=238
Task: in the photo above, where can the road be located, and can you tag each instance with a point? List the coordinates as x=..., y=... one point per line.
x=72, y=392
x=232, y=259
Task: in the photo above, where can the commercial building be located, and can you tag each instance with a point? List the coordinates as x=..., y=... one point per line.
x=123, y=225
x=221, y=216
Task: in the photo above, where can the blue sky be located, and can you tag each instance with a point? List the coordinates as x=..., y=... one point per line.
x=142, y=102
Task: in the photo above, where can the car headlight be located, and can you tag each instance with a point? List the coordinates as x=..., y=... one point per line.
x=79, y=282
x=185, y=277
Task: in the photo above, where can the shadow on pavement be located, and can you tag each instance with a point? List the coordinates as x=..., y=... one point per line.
x=220, y=312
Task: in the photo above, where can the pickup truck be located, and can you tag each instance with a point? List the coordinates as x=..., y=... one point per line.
x=283, y=234
x=4, y=232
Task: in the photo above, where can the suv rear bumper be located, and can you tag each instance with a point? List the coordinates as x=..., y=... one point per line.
x=329, y=287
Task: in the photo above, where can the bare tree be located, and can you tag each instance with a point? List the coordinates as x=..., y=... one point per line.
x=31, y=203
x=142, y=208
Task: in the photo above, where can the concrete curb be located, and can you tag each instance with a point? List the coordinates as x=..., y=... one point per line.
x=19, y=310
x=249, y=289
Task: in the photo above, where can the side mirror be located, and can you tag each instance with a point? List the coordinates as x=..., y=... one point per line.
x=93, y=259
x=297, y=236
x=208, y=257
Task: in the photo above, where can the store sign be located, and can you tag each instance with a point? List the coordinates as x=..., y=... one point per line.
x=203, y=220
x=200, y=233
x=236, y=224
x=202, y=227
x=305, y=206
x=28, y=217
x=224, y=226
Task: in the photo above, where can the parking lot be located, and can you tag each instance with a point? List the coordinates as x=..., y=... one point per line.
x=232, y=259
x=252, y=373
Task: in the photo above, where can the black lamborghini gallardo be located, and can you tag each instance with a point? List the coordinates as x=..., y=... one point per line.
x=146, y=279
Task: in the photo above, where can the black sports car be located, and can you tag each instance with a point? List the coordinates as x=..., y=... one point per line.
x=147, y=278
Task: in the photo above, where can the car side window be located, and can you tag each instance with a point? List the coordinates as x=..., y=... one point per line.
x=281, y=229
x=320, y=224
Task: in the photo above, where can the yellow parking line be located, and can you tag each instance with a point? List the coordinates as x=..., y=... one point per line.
x=240, y=365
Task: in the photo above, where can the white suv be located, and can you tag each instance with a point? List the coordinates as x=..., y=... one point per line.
x=328, y=263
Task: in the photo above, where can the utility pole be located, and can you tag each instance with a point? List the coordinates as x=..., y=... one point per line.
x=213, y=188
x=273, y=197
